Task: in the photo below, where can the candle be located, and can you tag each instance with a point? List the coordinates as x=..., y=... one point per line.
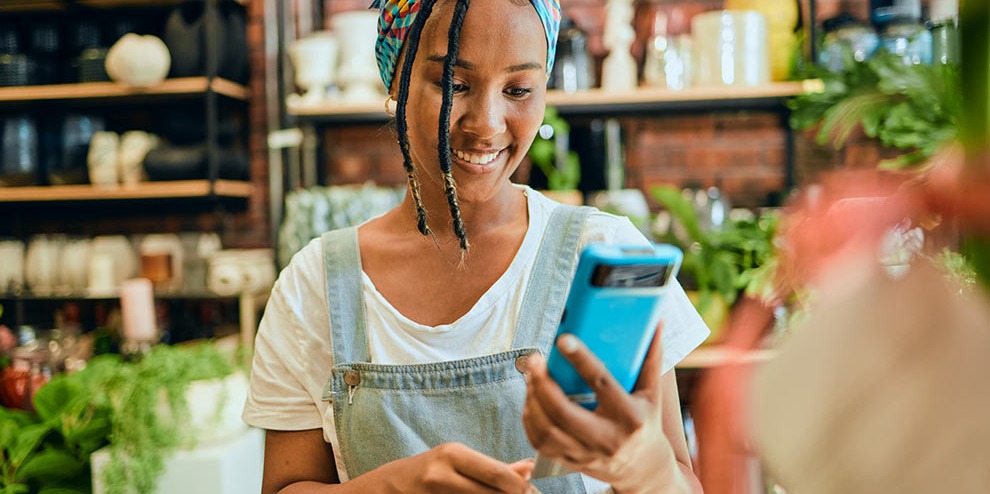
x=137, y=306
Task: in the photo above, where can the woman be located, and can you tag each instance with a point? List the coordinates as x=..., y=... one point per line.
x=391, y=357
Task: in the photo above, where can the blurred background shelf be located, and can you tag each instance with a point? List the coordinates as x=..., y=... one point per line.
x=145, y=190
x=101, y=91
x=599, y=102
x=56, y=5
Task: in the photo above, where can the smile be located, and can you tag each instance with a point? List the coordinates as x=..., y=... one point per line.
x=477, y=159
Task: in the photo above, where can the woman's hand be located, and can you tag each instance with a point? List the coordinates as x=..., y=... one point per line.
x=456, y=468
x=623, y=441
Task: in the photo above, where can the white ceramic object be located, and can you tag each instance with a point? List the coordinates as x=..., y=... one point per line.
x=357, y=75
x=619, y=67
x=138, y=60
x=102, y=159
x=730, y=48
x=123, y=261
x=74, y=266
x=11, y=266
x=42, y=263
x=314, y=60
x=134, y=146
x=215, y=408
x=235, y=271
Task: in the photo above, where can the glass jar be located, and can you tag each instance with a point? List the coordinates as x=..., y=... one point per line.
x=846, y=41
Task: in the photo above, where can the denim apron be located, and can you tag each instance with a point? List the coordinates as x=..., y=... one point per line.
x=387, y=412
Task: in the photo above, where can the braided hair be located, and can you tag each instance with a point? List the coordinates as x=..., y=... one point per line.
x=447, y=85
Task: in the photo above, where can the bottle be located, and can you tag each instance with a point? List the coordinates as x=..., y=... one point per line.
x=944, y=26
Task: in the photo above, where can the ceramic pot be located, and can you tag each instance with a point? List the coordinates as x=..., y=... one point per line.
x=138, y=60
x=165, y=246
x=314, y=59
x=42, y=263
x=123, y=262
x=74, y=265
x=11, y=266
x=356, y=33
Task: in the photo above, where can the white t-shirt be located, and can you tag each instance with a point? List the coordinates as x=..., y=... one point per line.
x=293, y=356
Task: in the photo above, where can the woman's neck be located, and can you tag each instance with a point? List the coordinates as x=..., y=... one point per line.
x=502, y=209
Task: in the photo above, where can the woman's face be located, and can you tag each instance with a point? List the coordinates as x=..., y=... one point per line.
x=499, y=95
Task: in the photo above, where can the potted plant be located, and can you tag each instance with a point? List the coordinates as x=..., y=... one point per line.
x=561, y=166
x=138, y=411
x=720, y=264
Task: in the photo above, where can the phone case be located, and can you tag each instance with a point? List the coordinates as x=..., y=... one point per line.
x=618, y=322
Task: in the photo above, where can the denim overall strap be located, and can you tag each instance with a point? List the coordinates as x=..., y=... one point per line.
x=348, y=325
x=383, y=412
x=550, y=281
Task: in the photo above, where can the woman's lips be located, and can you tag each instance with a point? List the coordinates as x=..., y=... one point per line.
x=458, y=157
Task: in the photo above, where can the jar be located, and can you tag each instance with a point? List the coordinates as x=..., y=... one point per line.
x=27, y=372
x=846, y=41
x=909, y=41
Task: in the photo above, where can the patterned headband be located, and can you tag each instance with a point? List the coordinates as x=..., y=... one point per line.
x=396, y=16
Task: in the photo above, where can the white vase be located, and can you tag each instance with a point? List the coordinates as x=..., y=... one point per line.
x=356, y=33
x=138, y=60
x=314, y=59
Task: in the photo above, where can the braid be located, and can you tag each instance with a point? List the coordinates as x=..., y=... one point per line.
x=447, y=83
x=412, y=46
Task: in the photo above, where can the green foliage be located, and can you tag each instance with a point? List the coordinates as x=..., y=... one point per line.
x=112, y=402
x=543, y=154
x=739, y=257
x=916, y=108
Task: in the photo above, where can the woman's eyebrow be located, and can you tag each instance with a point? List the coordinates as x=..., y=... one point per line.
x=470, y=66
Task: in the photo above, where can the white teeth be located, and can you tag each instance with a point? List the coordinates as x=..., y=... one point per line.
x=478, y=159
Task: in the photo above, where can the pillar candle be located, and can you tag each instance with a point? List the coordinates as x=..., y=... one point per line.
x=137, y=306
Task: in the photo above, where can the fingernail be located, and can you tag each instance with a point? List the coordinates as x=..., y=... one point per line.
x=567, y=343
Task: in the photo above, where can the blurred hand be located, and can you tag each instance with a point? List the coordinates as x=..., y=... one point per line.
x=456, y=468
x=622, y=442
x=842, y=219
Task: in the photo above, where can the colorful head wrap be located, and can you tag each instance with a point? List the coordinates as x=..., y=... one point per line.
x=396, y=16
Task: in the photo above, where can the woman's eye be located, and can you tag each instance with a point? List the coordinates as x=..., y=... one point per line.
x=459, y=88
x=518, y=92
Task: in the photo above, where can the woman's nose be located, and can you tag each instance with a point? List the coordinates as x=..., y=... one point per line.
x=483, y=116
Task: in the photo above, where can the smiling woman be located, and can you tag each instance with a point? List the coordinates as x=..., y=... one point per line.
x=393, y=356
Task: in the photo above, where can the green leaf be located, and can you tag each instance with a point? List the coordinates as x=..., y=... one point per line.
x=49, y=463
x=15, y=489
x=681, y=209
x=57, y=396
x=27, y=440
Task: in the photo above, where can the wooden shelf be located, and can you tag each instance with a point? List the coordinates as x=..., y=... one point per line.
x=146, y=190
x=185, y=86
x=58, y=5
x=600, y=102
x=87, y=295
x=714, y=356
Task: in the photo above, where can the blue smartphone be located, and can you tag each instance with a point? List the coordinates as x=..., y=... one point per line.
x=614, y=308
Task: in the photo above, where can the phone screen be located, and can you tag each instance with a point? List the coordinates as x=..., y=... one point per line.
x=630, y=275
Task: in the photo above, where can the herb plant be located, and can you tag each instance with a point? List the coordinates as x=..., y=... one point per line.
x=723, y=263
x=915, y=108
x=113, y=402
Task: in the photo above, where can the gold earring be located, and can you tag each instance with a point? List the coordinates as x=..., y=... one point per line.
x=388, y=107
